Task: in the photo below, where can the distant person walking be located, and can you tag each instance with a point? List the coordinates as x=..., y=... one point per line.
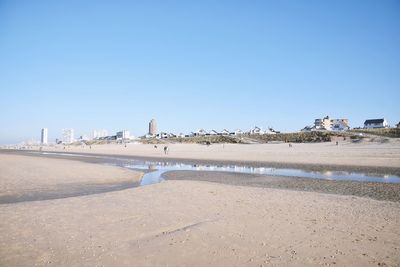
x=166, y=150
x=155, y=146
x=290, y=145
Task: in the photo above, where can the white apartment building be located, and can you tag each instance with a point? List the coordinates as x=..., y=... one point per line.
x=44, y=136
x=124, y=134
x=330, y=124
x=96, y=134
x=68, y=136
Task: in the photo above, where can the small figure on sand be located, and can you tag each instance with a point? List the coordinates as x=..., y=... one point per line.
x=166, y=150
x=155, y=146
x=337, y=143
x=290, y=145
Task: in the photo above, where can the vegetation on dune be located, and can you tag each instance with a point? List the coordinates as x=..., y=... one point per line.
x=385, y=132
x=196, y=140
x=354, y=135
x=299, y=137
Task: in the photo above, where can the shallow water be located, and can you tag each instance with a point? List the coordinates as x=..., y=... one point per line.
x=162, y=167
x=157, y=168
x=154, y=171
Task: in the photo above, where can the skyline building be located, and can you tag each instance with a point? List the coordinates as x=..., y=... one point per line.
x=44, y=136
x=99, y=133
x=153, y=127
x=68, y=136
x=124, y=134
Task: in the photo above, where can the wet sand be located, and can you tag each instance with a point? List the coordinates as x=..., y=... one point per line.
x=379, y=191
x=27, y=178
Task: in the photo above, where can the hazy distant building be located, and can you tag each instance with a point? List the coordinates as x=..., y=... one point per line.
x=96, y=134
x=44, y=136
x=256, y=130
x=124, y=134
x=84, y=138
x=152, y=127
x=376, y=123
x=68, y=136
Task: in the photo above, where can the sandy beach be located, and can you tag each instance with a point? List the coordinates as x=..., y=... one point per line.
x=199, y=222
x=199, y=133
x=363, y=154
x=29, y=178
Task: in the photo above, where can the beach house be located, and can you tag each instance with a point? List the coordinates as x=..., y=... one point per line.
x=237, y=132
x=269, y=131
x=224, y=132
x=200, y=132
x=330, y=124
x=256, y=130
x=213, y=132
x=375, y=123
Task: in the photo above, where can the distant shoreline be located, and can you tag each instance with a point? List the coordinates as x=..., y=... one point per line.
x=379, y=170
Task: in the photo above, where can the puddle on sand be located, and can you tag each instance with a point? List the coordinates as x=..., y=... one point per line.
x=162, y=167
x=157, y=168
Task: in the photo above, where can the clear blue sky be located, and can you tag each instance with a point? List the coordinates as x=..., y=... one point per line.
x=195, y=64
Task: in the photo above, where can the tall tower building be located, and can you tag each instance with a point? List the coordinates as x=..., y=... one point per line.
x=153, y=127
x=67, y=136
x=44, y=136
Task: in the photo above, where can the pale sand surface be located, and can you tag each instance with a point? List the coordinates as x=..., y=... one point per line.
x=24, y=174
x=351, y=154
x=191, y=223
x=187, y=223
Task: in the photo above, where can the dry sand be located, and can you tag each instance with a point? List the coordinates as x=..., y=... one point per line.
x=371, y=154
x=190, y=223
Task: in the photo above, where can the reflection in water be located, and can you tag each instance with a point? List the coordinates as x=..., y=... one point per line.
x=161, y=167
x=157, y=168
